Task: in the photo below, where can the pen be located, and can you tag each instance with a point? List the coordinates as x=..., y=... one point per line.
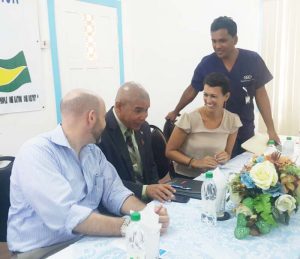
x=181, y=187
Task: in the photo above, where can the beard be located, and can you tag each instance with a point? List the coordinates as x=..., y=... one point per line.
x=97, y=137
x=96, y=133
x=98, y=140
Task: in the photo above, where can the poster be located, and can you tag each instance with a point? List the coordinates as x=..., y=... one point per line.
x=21, y=87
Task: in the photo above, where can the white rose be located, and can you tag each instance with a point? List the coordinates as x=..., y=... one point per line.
x=264, y=175
x=285, y=202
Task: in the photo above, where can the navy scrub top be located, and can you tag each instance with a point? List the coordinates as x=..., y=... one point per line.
x=247, y=74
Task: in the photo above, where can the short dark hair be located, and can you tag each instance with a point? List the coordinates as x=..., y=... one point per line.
x=224, y=22
x=217, y=80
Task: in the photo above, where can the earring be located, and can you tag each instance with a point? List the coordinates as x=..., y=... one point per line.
x=224, y=106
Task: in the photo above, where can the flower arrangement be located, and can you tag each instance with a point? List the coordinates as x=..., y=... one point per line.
x=266, y=192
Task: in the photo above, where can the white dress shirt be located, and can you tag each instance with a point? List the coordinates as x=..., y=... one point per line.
x=52, y=190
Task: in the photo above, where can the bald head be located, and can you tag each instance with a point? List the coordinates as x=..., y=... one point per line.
x=83, y=117
x=131, y=92
x=79, y=101
x=132, y=104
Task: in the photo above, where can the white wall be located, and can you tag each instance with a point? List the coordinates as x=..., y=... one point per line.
x=16, y=128
x=165, y=40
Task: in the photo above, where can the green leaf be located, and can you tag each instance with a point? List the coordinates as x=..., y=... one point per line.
x=263, y=226
x=268, y=218
x=241, y=232
x=241, y=220
x=265, y=197
x=263, y=207
x=292, y=169
x=248, y=202
x=262, y=203
x=259, y=207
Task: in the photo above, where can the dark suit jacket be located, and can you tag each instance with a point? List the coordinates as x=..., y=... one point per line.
x=115, y=149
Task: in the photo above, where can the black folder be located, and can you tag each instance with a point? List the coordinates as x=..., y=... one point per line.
x=194, y=187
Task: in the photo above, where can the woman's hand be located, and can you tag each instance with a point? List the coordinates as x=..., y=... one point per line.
x=222, y=157
x=206, y=162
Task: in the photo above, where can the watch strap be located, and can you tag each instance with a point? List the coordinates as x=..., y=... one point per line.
x=124, y=225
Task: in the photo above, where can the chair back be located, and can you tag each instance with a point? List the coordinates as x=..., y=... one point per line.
x=164, y=165
x=5, y=173
x=168, y=129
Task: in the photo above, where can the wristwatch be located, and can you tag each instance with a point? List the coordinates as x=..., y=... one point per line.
x=125, y=224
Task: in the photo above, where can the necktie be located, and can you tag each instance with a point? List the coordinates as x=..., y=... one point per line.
x=128, y=137
x=133, y=155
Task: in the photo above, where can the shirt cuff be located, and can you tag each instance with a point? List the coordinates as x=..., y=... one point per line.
x=144, y=194
x=118, y=210
x=76, y=215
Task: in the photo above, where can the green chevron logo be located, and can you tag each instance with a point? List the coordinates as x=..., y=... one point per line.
x=13, y=73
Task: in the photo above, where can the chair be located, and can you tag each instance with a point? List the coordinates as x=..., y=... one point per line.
x=5, y=173
x=168, y=129
x=164, y=165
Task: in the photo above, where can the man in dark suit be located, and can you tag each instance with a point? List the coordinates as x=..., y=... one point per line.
x=126, y=143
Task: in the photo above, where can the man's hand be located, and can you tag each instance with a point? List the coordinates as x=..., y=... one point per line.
x=160, y=192
x=163, y=218
x=273, y=135
x=222, y=157
x=188, y=95
x=172, y=116
x=206, y=162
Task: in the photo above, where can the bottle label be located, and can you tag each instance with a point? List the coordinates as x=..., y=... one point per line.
x=135, y=243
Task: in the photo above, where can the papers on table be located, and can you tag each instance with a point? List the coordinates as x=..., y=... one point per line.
x=257, y=144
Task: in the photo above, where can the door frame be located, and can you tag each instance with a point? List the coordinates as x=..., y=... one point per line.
x=54, y=52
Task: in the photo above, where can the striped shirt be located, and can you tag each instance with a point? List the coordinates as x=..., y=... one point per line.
x=52, y=190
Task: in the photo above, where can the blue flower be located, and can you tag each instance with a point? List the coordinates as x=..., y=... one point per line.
x=275, y=191
x=260, y=159
x=247, y=180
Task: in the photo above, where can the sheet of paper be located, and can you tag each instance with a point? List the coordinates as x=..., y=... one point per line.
x=257, y=144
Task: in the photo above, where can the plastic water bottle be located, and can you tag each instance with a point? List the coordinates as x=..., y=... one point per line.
x=270, y=148
x=208, y=200
x=288, y=147
x=135, y=238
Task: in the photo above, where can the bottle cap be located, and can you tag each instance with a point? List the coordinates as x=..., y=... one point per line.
x=209, y=174
x=135, y=216
x=288, y=138
x=271, y=142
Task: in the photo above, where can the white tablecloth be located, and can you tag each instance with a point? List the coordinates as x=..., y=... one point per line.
x=188, y=238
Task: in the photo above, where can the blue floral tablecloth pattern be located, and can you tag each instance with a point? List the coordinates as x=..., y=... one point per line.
x=188, y=238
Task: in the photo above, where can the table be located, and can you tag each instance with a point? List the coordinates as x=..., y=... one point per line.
x=187, y=238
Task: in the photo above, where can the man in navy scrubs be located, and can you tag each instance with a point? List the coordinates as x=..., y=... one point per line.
x=248, y=75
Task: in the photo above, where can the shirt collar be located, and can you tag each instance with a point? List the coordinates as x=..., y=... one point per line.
x=123, y=128
x=58, y=137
